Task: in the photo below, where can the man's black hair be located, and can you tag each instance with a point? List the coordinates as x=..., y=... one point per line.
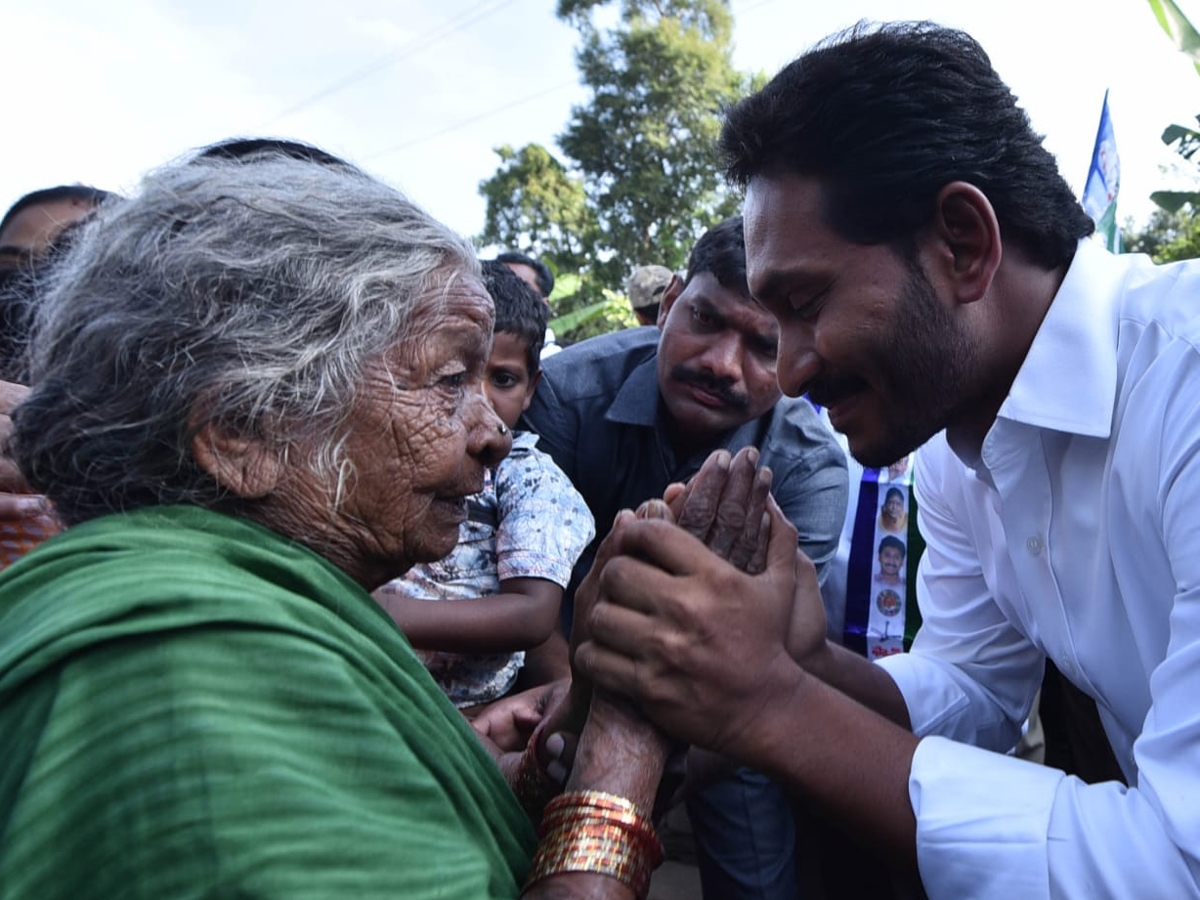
x=721, y=251
x=81, y=192
x=894, y=542
x=884, y=116
x=519, y=309
x=545, y=278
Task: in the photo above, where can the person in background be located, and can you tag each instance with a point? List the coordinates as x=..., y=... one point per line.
x=33, y=233
x=538, y=276
x=645, y=288
x=523, y=534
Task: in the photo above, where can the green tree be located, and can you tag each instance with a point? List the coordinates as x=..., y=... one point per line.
x=640, y=151
x=536, y=205
x=1168, y=236
x=1186, y=140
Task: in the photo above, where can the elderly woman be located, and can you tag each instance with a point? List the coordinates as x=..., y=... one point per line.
x=257, y=396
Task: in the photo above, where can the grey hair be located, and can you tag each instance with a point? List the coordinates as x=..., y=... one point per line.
x=250, y=295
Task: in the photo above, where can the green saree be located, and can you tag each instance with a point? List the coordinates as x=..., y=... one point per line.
x=193, y=706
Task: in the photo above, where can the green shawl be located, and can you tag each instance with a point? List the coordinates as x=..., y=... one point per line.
x=193, y=706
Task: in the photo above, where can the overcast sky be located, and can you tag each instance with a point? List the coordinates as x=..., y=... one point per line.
x=419, y=92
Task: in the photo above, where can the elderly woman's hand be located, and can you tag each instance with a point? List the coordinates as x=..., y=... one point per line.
x=724, y=505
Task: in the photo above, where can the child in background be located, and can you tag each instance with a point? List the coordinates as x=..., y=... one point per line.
x=523, y=534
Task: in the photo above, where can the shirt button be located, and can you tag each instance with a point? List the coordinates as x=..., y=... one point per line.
x=1034, y=545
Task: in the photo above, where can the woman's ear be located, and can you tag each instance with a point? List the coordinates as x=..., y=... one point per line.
x=244, y=467
x=968, y=237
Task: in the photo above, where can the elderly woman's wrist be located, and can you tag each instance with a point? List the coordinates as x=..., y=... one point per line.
x=619, y=752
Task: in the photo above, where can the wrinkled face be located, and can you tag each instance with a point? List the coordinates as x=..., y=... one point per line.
x=862, y=330
x=716, y=359
x=420, y=437
x=890, y=561
x=507, y=381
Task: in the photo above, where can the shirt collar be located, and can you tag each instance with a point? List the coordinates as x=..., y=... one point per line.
x=1068, y=381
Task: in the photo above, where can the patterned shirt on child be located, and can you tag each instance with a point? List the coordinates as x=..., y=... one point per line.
x=527, y=522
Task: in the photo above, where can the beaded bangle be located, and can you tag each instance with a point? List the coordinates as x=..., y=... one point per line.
x=591, y=831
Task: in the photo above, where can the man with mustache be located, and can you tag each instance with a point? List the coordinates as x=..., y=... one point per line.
x=626, y=414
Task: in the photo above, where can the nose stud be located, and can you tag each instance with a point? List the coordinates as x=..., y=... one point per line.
x=503, y=429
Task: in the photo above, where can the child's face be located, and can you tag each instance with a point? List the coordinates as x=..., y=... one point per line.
x=507, y=381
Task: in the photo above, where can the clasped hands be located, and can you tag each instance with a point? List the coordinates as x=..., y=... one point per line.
x=692, y=619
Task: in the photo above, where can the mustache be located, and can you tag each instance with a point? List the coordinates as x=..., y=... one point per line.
x=829, y=390
x=721, y=387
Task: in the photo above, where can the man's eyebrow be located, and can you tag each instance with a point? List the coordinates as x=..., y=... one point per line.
x=792, y=280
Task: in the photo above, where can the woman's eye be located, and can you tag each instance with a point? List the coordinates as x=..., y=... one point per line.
x=453, y=380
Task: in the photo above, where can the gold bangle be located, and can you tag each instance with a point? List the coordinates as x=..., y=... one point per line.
x=591, y=831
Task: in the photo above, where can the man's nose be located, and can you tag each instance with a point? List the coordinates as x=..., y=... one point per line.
x=723, y=358
x=798, y=363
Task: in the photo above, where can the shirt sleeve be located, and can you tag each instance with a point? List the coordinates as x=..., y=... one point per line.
x=992, y=827
x=812, y=494
x=544, y=523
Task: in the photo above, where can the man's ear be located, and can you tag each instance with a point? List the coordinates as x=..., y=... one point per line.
x=967, y=236
x=669, y=296
x=533, y=383
x=244, y=467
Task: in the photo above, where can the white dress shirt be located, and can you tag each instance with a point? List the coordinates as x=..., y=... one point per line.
x=1075, y=535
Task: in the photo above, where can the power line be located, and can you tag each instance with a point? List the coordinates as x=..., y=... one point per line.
x=495, y=111
x=418, y=43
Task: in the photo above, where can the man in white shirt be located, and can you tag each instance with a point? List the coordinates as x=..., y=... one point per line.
x=927, y=266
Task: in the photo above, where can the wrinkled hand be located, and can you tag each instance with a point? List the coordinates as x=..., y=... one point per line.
x=724, y=505
x=697, y=644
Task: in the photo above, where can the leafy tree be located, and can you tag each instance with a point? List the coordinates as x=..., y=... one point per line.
x=534, y=204
x=1185, y=139
x=1167, y=237
x=639, y=152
